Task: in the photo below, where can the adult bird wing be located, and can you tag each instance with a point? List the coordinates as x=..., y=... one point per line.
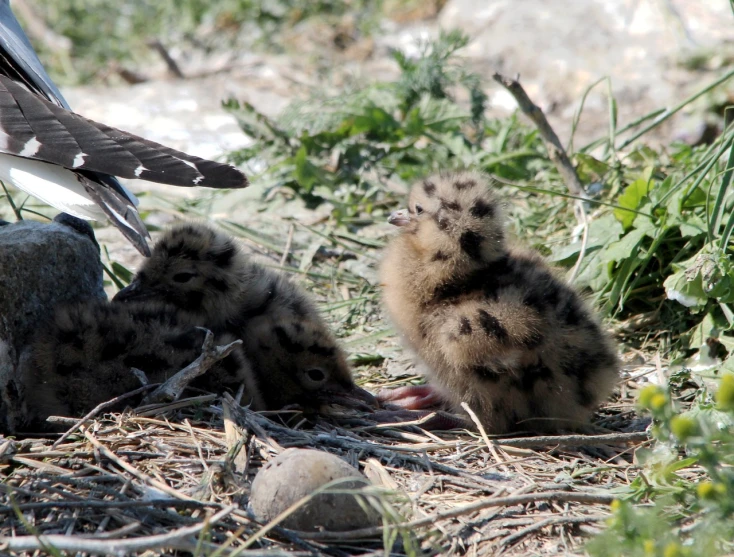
x=71, y=162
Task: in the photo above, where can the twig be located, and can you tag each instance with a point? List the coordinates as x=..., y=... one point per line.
x=174, y=386
x=97, y=409
x=78, y=544
x=558, y=496
x=87, y=504
x=171, y=64
x=576, y=440
x=581, y=216
x=556, y=152
x=288, y=242
x=549, y=522
x=490, y=445
x=257, y=424
x=134, y=471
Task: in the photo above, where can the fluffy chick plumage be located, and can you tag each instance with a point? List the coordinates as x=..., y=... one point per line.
x=84, y=356
x=494, y=326
x=213, y=283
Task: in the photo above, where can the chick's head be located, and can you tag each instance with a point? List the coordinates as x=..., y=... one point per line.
x=194, y=268
x=299, y=362
x=454, y=217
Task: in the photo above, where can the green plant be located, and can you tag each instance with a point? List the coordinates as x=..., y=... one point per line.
x=688, y=474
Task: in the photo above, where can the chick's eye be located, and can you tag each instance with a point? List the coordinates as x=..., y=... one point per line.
x=183, y=277
x=314, y=377
x=315, y=374
x=418, y=209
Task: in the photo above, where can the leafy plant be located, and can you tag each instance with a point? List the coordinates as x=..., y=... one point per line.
x=688, y=474
x=355, y=150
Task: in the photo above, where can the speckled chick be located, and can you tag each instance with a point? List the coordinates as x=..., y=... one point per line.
x=84, y=356
x=212, y=283
x=491, y=324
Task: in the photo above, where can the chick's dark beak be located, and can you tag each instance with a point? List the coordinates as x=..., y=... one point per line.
x=133, y=291
x=353, y=397
x=399, y=218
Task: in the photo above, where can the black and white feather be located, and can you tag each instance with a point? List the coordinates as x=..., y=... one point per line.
x=71, y=162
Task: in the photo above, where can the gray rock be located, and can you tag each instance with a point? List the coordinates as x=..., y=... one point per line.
x=41, y=265
x=296, y=473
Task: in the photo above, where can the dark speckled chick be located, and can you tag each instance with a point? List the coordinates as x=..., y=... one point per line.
x=213, y=283
x=197, y=278
x=492, y=324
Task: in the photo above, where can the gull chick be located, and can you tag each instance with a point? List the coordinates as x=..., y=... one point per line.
x=212, y=283
x=85, y=354
x=491, y=324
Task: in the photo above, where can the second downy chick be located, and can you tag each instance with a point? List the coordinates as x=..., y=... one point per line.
x=212, y=283
x=492, y=324
x=83, y=356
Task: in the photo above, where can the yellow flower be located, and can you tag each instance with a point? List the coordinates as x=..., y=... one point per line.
x=658, y=401
x=706, y=490
x=725, y=394
x=683, y=427
x=673, y=549
x=648, y=547
x=647, y=394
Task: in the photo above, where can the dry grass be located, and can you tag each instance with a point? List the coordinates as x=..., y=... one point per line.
x=175, y=478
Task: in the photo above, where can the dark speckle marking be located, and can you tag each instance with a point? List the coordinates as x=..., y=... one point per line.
x=481, y=209
x=585, y=397
x=578, y=363
x=321, y=350
x=545, y=295
x=491, y=325
x=112, y=350
x=488, y=280
x=464, y=326
x=450, y=205
x=441, y=220
x=66, y=337
x=66, y=369
x=146, y=362
x=224, y=257
x=194, y=300
x=299, y=308
x=190, y=339
x=471, y=244
x=218, y=284
x=429, y=187
x=286, y=342
x=439, y=256
x=530, y=375
x=182, y=250
x=464, y=184
x=231, y=365
x=570, y=313
x=192, y=231
x=534, y=339
x=486, y=373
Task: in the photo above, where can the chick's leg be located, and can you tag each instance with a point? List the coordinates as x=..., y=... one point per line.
x=414, y=397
